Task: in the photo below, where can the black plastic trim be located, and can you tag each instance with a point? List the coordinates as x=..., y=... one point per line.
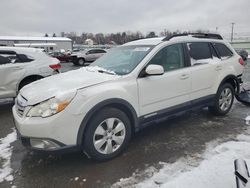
x=237, y=82
x=195, y=35
x=108, y=102
x=167, y=113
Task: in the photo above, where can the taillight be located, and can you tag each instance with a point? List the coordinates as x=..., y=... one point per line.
x=241, y=61
x=55, y=66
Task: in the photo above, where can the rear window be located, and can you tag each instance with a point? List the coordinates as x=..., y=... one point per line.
x=199, y=50
x=223, y=51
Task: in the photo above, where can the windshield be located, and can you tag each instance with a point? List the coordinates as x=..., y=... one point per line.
x=122, y=60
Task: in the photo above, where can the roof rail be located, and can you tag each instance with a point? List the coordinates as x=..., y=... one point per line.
x=196, y=35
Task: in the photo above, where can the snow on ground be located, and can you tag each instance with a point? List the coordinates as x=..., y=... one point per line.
x=214, y=168
x=5, y=156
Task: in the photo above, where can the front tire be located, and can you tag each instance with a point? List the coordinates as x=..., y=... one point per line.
x=223, y=100
x=107, y=134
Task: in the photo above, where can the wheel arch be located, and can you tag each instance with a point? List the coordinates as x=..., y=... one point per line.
x=30, y=77
x=233, y=80
x=120, y=104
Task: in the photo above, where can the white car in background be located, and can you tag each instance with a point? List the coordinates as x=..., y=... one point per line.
x=86, y=56
x=21, y=66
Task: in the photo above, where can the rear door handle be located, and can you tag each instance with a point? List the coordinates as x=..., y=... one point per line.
x=184, y=76
x=219, y=67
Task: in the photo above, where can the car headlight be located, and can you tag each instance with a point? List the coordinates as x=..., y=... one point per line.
x=51, y=106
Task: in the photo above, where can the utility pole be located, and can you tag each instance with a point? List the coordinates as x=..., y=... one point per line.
x=232, y=33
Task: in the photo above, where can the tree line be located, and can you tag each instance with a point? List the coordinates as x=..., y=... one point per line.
x=116, y=38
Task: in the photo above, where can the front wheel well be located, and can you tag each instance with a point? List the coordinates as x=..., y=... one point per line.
x=120, y=105
x=27, y=79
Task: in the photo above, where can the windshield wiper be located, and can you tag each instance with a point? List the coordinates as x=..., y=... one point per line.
x=107, y=72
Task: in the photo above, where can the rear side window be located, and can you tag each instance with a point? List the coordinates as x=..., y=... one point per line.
x=223, y=51
x=199, y=50
x=13, y=57
x=100, y=51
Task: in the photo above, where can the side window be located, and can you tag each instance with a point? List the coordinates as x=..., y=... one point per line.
x=199, y=51
x=101, y=51
x=9, y=56
x=170, y=57
x=91, y=51
x=4, y=60
x=223, y=50
x=13, y=57
x=22, y=58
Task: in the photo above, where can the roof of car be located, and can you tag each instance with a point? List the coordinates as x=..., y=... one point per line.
x=182, y=38
x=20, y=49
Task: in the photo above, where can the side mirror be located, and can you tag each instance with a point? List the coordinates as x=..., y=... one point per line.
x=154, y=70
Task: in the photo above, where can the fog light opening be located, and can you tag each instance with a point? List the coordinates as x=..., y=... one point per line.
x=43, y=144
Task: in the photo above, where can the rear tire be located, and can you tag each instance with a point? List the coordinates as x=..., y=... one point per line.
x=223, y=100
x=81, y=62
x=107, y=134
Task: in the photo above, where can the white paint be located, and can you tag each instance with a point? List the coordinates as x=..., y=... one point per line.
x=5, y=157
x=247, y=119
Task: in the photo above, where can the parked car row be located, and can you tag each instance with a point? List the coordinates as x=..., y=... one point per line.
x=81, y=57
x=20, y=66
x=96, y=109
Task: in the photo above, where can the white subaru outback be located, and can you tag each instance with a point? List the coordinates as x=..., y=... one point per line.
x=97, y=108
x=21, y=66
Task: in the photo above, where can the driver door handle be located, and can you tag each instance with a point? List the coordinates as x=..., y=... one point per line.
x=184, y=76
x=218, y=68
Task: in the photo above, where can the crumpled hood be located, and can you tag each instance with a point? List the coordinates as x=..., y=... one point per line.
x=49, y=87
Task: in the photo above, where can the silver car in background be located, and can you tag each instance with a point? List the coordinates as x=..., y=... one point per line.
x=83, y=58
x=21, y=66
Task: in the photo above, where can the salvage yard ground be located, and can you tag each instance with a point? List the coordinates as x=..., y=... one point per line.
x=194, y=150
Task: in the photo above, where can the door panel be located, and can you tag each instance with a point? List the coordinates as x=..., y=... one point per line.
x=204, y=68
x=160, y=92
x=10, y=75
x=203, y=77
x=170, y=89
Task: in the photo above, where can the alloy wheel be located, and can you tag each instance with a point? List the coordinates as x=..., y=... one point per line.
x=109, y=135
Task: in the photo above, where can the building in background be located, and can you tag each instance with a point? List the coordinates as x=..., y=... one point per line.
x=47, y=43
x=241, y=44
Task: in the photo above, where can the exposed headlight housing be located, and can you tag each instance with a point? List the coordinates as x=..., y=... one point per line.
x=51, y=106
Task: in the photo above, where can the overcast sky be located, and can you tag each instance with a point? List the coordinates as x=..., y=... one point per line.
x=37, y=17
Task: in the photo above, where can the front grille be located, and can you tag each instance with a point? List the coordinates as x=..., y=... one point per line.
x=21, y=104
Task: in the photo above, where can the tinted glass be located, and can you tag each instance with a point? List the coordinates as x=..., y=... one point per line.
x=100, y=51
x=199, y=50
x=14, y=58
x=4, y=60
x=223, y=50
x=170, y=57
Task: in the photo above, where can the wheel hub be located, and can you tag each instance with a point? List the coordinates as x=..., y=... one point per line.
x=109, y=135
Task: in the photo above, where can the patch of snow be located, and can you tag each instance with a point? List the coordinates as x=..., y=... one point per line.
x=247, y=119
x=96, y=68
x=76, y=178
x=214, y=168
x=5, y=156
